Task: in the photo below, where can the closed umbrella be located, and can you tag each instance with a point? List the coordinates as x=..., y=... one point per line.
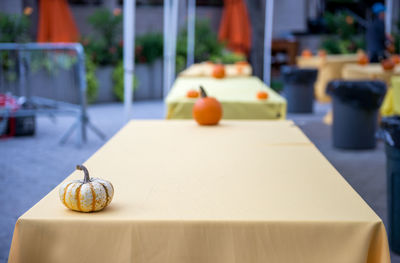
x=235, y=26
x=56, y=23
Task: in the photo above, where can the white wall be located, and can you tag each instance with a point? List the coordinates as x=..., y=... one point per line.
x=11, y=7
x=289, y=15
x=148, y=18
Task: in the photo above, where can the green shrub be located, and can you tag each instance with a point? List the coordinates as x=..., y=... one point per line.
x=118, y=81
x=344, y=38
x=104, y=47
x=148, y=48
x=92, y=84
x=207, y=47
x=228, y=57
x=14, y=28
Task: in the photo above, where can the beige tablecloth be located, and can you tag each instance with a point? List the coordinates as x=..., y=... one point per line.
x=372, y=71
x=329, y=68
x=205, y=70
x=238, y=97
x=243, y=191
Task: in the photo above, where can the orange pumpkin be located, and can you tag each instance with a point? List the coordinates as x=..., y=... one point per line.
x=390, y=48
x=242, y=63
x=363, y=59
x=262, y=95
x=396, y=59
x=218, y=71
x=192, y=93
x=322, y=53
x=207, y=110
x=387, y=64
x=306, y=53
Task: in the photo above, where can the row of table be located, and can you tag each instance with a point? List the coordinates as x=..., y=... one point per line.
x=237, y=93
x=238, y=96
x=242, y=191
x=346, y=67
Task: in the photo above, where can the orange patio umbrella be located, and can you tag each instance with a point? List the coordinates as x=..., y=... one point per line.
x=56, y=23
x=235, y=26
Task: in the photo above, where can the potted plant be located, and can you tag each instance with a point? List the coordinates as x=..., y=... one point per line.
x=104, y=49
x=149, y=67
x=345, y=38
x=207, y=47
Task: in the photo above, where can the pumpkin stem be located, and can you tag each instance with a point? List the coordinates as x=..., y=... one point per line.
x=80, y=167
x=203, y=92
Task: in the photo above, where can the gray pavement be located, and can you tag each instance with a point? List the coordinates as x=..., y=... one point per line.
x=30, y=167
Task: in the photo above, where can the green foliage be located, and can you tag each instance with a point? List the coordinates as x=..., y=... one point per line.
x=397, y=43
x=396, y=38
x=14, y=28
x=118, y=80
x=148, y=48
x=51, y=62
x=104, y=47
x=341, y=24
x=207, y=47
x=344, y=37
x=335, y=45
x=227, y=57
x=206, y=42
x=92, y=84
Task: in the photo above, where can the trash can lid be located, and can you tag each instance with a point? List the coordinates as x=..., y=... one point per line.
x=366, y=94
x=294, y=74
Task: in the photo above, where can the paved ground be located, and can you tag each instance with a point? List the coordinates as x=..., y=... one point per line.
x=31, y=167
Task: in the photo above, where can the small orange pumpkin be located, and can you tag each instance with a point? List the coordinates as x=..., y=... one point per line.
x=218, y=71
x=363, y=59
x=390, y=48
x=242, y=63
x=396, y=59
x=192, y=93
x=322, y=53
x=262, y=95
x=387, y=64
x=306, y=53
x=207, y=110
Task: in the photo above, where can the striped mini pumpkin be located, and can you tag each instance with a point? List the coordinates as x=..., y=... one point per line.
x=87, y=195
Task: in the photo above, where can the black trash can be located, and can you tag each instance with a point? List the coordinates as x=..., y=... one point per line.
x=299, y=88
x=391, y=131
x=355, y=112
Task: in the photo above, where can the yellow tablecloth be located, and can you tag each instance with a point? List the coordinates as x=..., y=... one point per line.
x=375, y=72
x=206, y=69
x=391, y=103
x=243, y=191
x=372, y=71
x=329, y=68
x=237, y=96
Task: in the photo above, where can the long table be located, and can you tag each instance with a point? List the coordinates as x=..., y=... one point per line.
x=243, y=191
x=373, y=71
x=238, y=97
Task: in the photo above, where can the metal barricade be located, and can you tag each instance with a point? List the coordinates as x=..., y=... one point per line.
x=50, y=107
